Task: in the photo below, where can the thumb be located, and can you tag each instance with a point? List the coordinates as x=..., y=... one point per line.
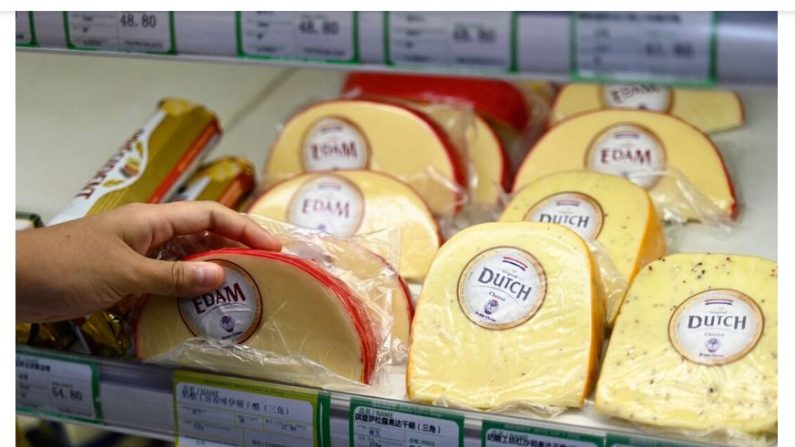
x=179, y=278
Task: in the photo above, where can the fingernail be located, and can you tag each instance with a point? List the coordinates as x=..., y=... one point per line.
x=207, y=274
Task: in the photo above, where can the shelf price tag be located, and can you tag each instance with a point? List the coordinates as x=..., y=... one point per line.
x=323, y=36
x=614, y=440
x=644, y=46
x=57, y=386
x=460, y=39
x=497, y=434
x=26, y=36
x=220, y=411
x=388, y=424
x=135, y=31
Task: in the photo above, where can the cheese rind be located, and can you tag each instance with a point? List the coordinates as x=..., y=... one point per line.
x=695, y=346
x=271, y=302
x=531, y=335
x=624, y=141
x=605, y=208
x=345, y=203
x=375, y=135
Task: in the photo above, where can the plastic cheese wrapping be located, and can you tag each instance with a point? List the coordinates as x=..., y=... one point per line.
x=276, y=304
x=227, y=180
x=695, y=347
x=345, y=203
x=708, y=110
x=375, y=135
x=609, y=212
x=678, y=165
x=510, y=314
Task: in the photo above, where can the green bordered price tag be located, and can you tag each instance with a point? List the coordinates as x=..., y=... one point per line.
x=26, y=31
x=320, y=36
x=219, y=411
x=453, y=39
x=497, y=434
x=134, y=31
x=57, y=386
x=387, y=424
x=676, y=47
x=614, y=440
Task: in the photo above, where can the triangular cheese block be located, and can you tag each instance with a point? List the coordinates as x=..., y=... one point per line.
x=375, y=135
x=708, y=110
x=605, y=208
x=272, y=302
x=344, y=203
x=695, y=346
x=511, y=312
x=642, y=146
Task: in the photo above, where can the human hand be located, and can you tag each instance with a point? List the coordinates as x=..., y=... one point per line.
x=82, y=266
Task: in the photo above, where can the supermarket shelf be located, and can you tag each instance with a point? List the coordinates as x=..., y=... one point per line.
x=553, y=46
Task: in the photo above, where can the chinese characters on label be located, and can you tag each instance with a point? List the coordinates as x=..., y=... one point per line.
x=371, y=425
x=141, y=31
x=55, y=386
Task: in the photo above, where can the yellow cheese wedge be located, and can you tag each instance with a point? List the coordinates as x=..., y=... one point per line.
x=695, y=346
x=599, y=207
x=638, y=145
x=368, y=134
x=708, y=110
x=511, y=312
x=369, y=275
x=345, y=203
x=272, y=302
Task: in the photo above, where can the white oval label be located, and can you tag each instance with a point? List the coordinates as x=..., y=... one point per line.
x=501, y=288
x=328, y=203
x=574, y=210
x=715, y=327
x=232, y=312
x=628, y=151
x=637, y=96
x=333, y=143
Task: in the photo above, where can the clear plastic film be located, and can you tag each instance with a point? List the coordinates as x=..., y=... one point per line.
x=613, y=283
x=347, y=269
x=510, y=320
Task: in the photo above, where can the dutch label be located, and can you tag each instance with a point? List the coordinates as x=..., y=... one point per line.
x=576, y=211
x=628, y=151
x=637, y=96
x=715, y=327
x=501, y=288
x=230, y=313
x=328, y=203
x=333, y=143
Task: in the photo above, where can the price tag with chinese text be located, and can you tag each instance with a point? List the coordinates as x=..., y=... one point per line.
x=137, y=31
x=388, y=424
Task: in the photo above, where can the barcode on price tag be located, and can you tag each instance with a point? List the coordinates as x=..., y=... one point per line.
x=52, y=386
x=459, y=39
x=135, y=31
x=644, y=46
x=221, y=411
x=387, y=424
x=323, y=36
x=496, y=434
x=26, y=35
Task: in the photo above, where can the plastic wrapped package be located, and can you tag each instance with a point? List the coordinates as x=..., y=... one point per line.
x=227, y=180
x=377, y=135
x=510, y=316
x=679, y=166
x=613, y=215
x=695, y=349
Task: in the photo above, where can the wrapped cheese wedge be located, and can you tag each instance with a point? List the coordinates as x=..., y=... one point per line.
x=599, y=207
x=708, y=110
x=510, y=313
x=695, y=346
x=650, y=149
x=344, y=203
x=272, y=302
x=375, y=135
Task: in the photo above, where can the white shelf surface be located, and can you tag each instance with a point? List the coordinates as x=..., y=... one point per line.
x=74, y=111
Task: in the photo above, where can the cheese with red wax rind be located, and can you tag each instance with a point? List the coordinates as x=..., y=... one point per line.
x=345, y=203
x=375, y=135
x=649, y=148
x=272, y=302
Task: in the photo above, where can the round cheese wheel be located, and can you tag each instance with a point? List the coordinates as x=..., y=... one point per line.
x=375, y=135
x=345, y=203
x=272, y=302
